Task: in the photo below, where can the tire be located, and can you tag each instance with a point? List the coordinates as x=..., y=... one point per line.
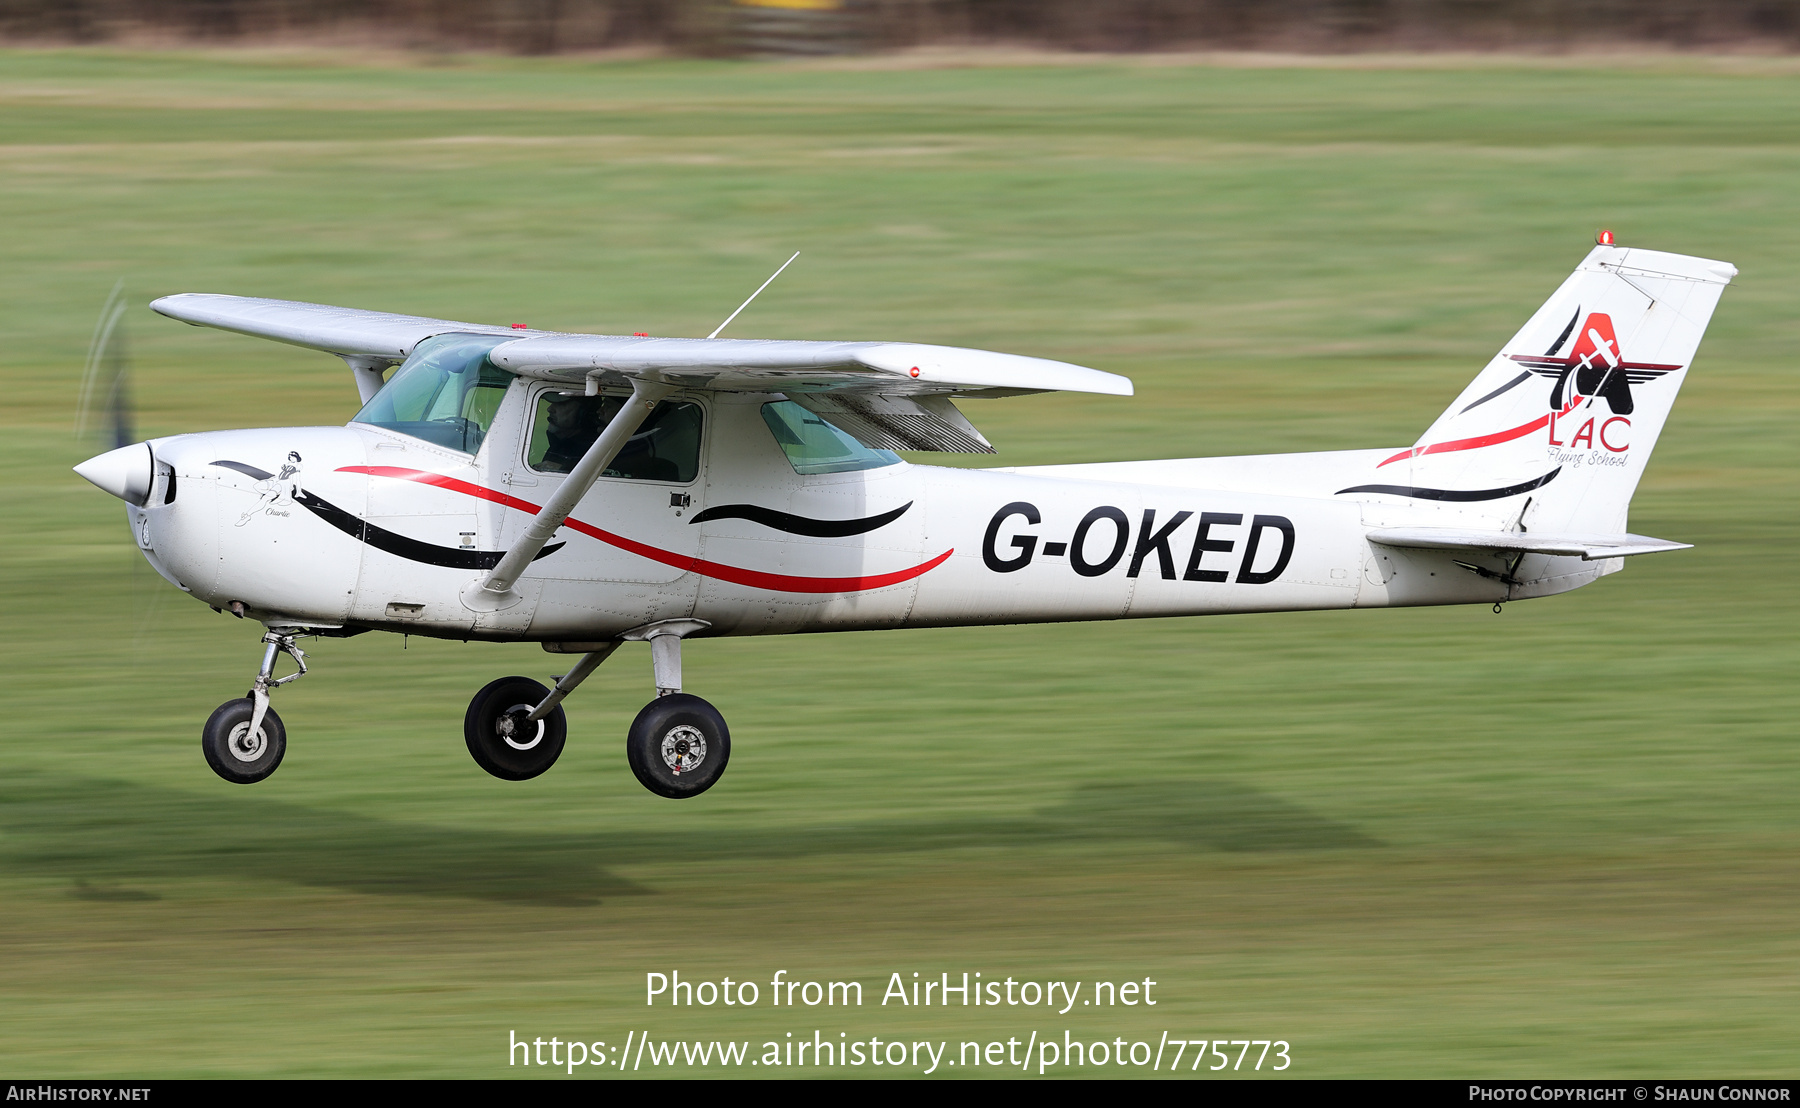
x=678, y=746
x=229, y=750
x=495, y=721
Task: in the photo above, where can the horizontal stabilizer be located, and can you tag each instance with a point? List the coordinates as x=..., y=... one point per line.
x=1587, y=547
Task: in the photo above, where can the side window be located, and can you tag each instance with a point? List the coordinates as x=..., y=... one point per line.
x=665, y=448
x=815, y=446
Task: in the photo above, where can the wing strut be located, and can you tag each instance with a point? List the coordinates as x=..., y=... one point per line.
x=495, y=592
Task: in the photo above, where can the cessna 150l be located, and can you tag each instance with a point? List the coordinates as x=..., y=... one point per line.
x=579, y=491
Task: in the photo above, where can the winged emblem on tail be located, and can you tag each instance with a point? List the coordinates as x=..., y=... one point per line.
x=1594, y=366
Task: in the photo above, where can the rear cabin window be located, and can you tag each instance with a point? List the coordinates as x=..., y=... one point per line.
x=815, y=446
x=666, y=447
x=446, y=393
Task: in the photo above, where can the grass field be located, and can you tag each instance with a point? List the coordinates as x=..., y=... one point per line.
x=1558, y=842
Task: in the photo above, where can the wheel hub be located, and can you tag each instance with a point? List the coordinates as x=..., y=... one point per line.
x=244, y=746
x=512, y=723
x=683, y=748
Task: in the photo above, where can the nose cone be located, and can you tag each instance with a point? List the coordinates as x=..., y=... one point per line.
x=125, y=472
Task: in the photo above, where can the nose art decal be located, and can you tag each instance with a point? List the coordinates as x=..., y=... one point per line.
x=271, y=488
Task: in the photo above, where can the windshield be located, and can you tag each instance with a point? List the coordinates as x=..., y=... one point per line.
x=446, y=393
x=815, y=446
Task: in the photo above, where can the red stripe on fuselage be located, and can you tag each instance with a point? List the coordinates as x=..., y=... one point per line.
x=756, y=579
x=1471, y=444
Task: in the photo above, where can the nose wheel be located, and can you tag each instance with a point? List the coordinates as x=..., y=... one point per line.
x=237, y=753
x=243, y=739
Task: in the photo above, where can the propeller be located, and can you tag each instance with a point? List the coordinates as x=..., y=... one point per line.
x=105, y=420
x=104, y=410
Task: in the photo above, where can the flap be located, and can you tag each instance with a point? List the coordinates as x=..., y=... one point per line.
x=1588, y=547
x=897, y=422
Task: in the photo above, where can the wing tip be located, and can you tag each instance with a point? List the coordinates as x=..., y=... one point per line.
x=171, y=304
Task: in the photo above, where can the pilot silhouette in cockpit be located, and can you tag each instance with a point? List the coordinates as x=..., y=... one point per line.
x=573, y=423
x=571, y=426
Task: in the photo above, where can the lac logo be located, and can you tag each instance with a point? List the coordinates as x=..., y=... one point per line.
x=1596, y=366
x=1594, y=369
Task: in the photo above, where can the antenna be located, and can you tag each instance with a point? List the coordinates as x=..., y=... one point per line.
x=753, y=296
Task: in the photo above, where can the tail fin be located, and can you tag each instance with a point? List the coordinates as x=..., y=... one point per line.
x=1569, y=410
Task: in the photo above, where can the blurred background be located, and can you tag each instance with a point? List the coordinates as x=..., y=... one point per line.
x=1431, y=842
x=717, y=27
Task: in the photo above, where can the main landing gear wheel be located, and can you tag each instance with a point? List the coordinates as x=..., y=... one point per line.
x=233, y=752
x=678, y=746
x=501, y=740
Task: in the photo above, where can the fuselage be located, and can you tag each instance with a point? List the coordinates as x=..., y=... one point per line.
x=365, y=526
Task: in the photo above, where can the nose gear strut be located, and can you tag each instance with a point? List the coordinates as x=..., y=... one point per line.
x=266, y=680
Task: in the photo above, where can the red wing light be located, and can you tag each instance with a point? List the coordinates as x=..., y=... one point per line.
x=518, y=327
x=914, y=371
x=1605, y=238
x=640, y=334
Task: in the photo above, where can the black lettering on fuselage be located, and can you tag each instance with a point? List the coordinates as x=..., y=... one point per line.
x=1204, y=545
x=1026, y=545
x=1158, y=541
x=1249, y=576
x=1077, y=545
x=1150, y=539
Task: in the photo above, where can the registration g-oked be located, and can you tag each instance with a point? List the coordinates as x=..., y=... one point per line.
x=581, y=491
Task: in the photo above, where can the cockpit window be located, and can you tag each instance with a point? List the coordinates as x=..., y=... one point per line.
x=815, y=446
x=446, y=393
x=665, y=447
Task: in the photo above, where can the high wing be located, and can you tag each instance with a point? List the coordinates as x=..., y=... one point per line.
x=893, y=395
x=346, y=332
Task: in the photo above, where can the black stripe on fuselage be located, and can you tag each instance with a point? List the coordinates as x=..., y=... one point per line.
x=246, y=469
x=1521, y=378
x=1508, y=387
x=801, y=525
x=399, y=545
x=1458, y=495
x=1566, y=332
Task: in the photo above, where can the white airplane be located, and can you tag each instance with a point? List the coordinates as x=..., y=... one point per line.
x=580, y=491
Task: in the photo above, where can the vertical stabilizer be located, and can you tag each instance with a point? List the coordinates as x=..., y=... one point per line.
x=1569, y=410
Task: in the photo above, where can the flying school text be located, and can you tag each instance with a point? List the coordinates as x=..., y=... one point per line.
x=1220, y=546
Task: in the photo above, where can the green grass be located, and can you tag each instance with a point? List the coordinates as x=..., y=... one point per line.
x=1561, y=841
